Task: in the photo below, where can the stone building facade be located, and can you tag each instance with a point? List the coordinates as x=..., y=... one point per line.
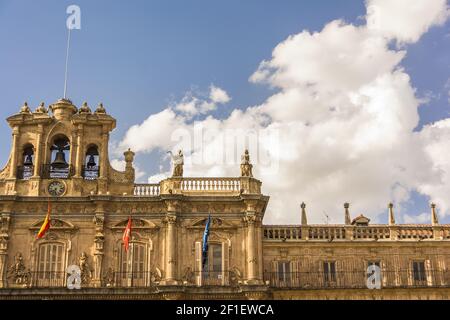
x=59, y=156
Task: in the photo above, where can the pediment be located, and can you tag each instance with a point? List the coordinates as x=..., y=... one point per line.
x=55, y=225
x=217, y=223
x=361, y=220
x=136, y=224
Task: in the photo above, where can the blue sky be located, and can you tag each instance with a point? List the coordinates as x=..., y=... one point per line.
x=139, y=56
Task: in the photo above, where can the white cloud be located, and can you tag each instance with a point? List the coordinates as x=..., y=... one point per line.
x=405, y=20
x=344, y=117
x=218, y=95
x=421, y=218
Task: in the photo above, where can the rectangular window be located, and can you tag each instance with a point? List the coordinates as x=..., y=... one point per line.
x=133, y=265
x=50, y=265
x=419, y=273
x=329, y=272
x=284, y=273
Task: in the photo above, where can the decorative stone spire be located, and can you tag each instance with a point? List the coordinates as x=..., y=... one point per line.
x=100, y=109
x=41, y=108
x=348, y=221
x=84, y=108
x=304, y=218
x=434, y=217
x=391, y=214
x=25, y=108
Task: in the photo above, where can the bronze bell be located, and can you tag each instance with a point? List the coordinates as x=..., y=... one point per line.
x=91, y=163
x=60, y=160
x=28, y=161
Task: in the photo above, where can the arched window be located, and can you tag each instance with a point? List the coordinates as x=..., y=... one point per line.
x=59, y=168
x=91, y=166
x=134, y=266
x=51, y=265
x=25, y=170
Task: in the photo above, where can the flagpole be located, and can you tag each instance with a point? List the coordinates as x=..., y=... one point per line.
x=67, y=64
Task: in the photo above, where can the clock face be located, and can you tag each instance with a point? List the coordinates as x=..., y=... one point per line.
x=56, y=188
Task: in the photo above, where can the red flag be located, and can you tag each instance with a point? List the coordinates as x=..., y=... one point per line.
x=46, y=225
x=126, y=235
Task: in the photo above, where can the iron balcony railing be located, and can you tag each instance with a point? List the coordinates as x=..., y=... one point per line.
x=90, y=173
x=212, y=278
x=126, y=279
x=49, y=171
x=282, y=280
x=25, y=172
x=357, y=279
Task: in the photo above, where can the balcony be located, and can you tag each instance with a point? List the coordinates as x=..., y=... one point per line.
x=25, y=172
x=49, y=171
x=90, y=173
x=356, y=280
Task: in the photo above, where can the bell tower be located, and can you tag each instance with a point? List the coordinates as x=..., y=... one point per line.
x=63, y=151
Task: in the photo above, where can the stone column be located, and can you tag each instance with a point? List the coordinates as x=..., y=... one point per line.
x=79, y=153
x=171, y=265
x=38, y=153
x=104, y=154
x=14, y=151
x=170, y=254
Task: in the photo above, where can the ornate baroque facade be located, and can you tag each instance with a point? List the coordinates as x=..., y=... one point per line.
x=60, y=155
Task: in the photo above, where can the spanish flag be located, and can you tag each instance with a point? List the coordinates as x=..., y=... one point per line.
x=126, y=235
x=46, y=224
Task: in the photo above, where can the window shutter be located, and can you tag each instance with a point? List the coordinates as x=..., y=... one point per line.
x=429, y=272
x=198, y=263
x=295, y=273
x=384, y=274
x=274, y=274
x=225, y=263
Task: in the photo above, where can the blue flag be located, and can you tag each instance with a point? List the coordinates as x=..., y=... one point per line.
x=205, y=242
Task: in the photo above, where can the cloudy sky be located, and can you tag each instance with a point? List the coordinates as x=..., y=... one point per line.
x=338, y=102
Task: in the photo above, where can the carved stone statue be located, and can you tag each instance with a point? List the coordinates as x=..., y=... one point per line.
x=188, y=276
x=41, y=108
x=84, y=108
x=18, y=271
x=100, y=109
x=246, y=166
x=85, y=269
x=25, y=108
x=235, y=276
x=156, y=276
x=177, y=163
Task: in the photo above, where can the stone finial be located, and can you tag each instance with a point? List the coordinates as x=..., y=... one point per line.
x=41, y=108
x=391, y=214
x=25, y=108
x=304, y=217
x=348, y=220
x=84, y=108
x=129, y=156
x=246, y=166
x=100, y=109
x=434, y=217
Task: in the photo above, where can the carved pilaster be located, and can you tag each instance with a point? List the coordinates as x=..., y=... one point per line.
x=252, y=220
x=99, y=221
x=4, y=236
